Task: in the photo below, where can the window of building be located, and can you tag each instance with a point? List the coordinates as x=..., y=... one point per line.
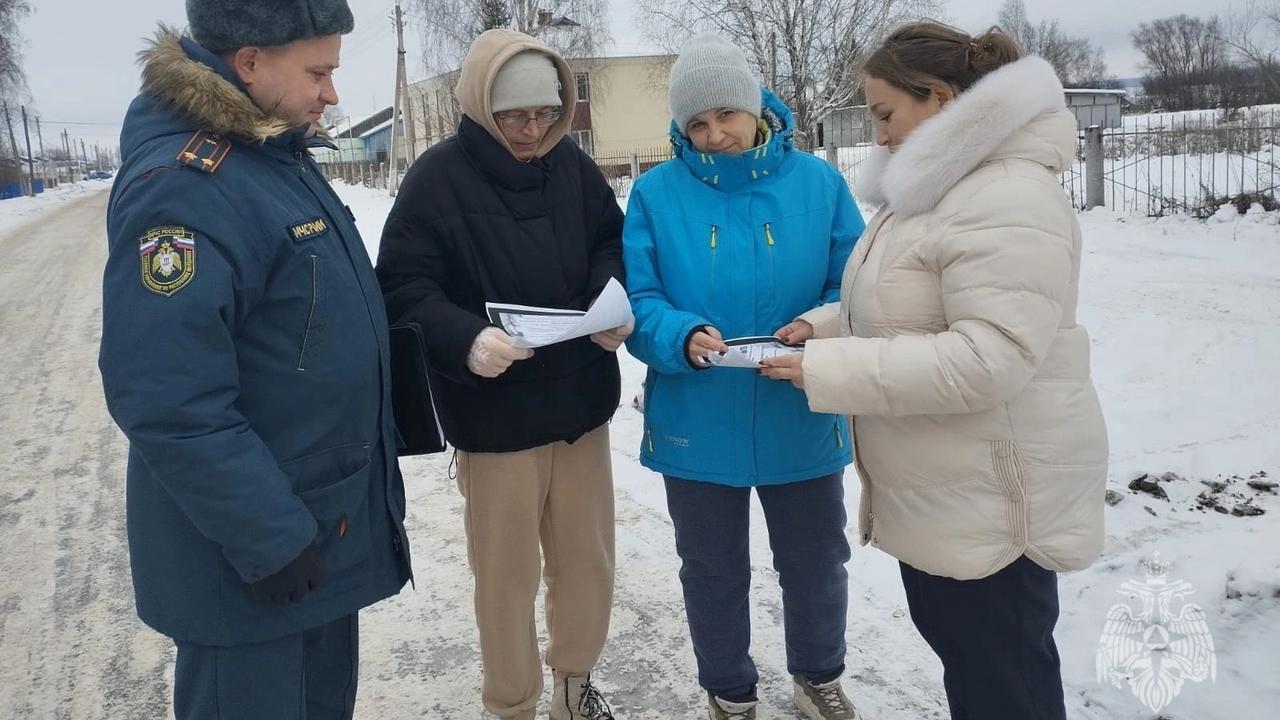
x=584, y=87
x=585, y=141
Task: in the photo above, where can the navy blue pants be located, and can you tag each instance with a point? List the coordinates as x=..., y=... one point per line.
x=995, y=639
x=806, y=522
x=309, y=676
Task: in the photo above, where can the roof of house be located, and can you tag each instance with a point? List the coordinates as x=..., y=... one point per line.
x=1095, y=91
x=376, y=129
x=345, y=124
x=358, y=127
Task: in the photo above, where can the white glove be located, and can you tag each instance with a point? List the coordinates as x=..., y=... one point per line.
x=492, y=353
x=611, y=340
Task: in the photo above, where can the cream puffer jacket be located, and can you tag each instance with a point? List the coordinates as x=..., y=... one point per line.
x=955, y=345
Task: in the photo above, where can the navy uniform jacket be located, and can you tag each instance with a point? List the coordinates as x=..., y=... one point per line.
x=245, y=356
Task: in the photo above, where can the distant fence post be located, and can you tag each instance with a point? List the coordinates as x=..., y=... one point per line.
x=833, y=154
x=635, y=166
x=1093, y=171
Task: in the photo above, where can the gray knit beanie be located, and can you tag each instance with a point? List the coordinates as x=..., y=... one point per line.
x=711, y=72
x=528, y=80
x=224, y=25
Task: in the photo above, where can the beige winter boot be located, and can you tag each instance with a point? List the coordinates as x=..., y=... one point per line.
x=575, y=698
x=826, y=701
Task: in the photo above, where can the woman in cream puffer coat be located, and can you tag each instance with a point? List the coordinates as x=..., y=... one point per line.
x=979, y=438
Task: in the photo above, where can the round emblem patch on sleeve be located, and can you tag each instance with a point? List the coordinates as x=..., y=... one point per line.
x=168, y=255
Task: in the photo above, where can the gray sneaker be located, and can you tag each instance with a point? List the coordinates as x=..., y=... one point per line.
x=823, y=702
x=575, y=698
x=721, y=709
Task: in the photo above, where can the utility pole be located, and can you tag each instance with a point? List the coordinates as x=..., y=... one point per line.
x=44, y=159
x=31, y=162
x=13, y=142
x=410, y=130
x=84, y=154
x=401, y=104
x=66, y=147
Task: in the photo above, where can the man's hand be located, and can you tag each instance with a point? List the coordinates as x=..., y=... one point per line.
x=293, y=582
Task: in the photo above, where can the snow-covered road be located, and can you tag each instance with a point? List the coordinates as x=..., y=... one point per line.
x=1184, y=317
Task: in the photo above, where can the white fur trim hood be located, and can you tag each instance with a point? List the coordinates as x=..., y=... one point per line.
x=948, y=146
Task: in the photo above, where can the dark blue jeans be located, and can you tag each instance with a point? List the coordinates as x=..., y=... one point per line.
x=806, y=522
x=308, y=676
x=995, y=639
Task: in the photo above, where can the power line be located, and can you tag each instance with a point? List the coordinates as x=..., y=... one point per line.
x=361, y=39
x=370, y=41
x=82, y=122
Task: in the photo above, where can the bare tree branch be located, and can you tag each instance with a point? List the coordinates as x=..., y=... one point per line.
x=575, y=28
x=1253, y=34
x=1078, y=62
x=1186, y=62
x=819, y=43
x=13, y=80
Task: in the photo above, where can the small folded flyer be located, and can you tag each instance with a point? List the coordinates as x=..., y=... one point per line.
x=748, y=352
x=535, y=327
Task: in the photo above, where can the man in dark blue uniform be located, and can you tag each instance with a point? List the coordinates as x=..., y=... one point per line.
x=245, y=356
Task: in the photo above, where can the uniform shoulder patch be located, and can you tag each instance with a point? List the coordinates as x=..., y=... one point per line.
x=308, y=229
x=168, y=256
x=205, y=152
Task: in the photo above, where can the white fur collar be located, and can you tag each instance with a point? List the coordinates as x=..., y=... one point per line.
x=953, y=143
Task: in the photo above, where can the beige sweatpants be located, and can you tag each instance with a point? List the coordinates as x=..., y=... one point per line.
x=559, y=496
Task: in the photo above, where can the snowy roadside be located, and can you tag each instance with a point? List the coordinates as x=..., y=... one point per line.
x=1185, y=318
x=20, y=210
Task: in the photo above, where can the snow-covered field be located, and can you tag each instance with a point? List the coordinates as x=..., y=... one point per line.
x=1192, y=118
x=1167, y=163
x=1185, y=317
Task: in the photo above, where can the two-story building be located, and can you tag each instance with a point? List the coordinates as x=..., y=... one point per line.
x=622, y=105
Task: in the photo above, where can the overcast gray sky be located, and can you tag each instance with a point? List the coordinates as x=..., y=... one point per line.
x=80, y=54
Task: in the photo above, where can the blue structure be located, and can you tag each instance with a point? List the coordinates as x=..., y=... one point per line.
x=377, y=143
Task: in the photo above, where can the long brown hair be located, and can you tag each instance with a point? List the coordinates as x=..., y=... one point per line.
x=917, y=57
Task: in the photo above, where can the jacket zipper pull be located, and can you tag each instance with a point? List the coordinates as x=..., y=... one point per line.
x=714, y=231
x=768, y=234
x=650, y=434
x=839, y=437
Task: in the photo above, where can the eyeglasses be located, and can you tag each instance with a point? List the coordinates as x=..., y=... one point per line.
x=517, y=120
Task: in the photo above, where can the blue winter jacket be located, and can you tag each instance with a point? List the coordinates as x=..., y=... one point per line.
x=744, y=244
x=245, y=356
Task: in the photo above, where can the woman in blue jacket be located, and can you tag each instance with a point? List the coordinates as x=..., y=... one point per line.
x=736, y=236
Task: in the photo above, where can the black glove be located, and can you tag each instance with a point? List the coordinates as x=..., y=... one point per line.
x=292, y=582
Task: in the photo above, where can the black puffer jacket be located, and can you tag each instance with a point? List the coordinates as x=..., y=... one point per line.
x=472, y=225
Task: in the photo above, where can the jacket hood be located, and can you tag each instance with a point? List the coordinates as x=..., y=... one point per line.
x=197, y=86
x=1018, y=111
x=486, y=57
x=729, y=172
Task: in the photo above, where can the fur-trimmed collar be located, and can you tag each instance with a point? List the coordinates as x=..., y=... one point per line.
x=199, y=93
x=1016, y=111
